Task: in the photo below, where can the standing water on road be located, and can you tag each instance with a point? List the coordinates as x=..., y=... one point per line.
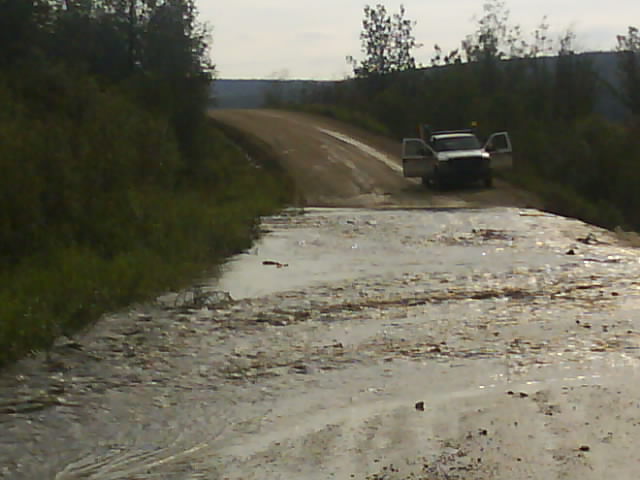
x=494, y=343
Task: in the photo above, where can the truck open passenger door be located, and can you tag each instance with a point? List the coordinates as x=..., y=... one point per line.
x=418, y=159
x=499, y=146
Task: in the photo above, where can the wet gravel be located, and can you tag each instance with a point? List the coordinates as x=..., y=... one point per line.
x=334, y=306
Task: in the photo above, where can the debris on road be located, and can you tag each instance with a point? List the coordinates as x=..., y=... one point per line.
x=274, y=263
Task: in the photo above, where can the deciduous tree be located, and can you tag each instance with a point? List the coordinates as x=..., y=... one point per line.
x=387, y=42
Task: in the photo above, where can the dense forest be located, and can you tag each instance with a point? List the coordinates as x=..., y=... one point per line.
x=538, y=88
x=114, y=184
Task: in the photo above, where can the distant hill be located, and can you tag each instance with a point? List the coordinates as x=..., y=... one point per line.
x=229, y=93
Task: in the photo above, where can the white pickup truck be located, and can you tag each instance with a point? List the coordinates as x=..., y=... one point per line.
x=455, y=156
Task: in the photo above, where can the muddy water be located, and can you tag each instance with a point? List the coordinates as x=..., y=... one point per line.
x=373, y=344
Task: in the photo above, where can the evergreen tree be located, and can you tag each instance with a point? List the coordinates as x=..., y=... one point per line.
x=629, y=47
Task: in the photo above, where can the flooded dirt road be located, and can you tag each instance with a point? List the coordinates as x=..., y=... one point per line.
x=495, y=343
x=356, y=343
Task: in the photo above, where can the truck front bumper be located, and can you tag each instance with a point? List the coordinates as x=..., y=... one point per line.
x=464, y=169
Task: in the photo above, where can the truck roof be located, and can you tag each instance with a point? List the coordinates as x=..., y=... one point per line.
x=460, y=130
x=452, y=135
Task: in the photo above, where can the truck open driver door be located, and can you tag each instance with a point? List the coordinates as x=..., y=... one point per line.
x=418, y=159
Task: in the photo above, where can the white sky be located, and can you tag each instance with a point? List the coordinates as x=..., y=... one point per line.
x=310, y=39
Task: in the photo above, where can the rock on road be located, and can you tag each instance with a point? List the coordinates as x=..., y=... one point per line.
x=487, y=341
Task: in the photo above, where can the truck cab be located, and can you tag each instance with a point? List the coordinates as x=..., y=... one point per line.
x=455, y=156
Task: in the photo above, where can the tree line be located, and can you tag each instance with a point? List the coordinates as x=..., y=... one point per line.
x=108, y=94
x=156, y=49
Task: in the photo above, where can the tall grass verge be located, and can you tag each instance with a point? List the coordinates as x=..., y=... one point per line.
x=99, y=209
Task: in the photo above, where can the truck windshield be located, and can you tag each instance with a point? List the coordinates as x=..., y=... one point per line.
x=448, y=144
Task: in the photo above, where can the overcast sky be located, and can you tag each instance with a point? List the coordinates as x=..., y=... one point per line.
x=310, y=39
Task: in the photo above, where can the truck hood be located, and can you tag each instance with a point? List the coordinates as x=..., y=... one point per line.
x=461, y=154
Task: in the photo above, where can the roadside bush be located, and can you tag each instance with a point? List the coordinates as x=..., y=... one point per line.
x=98, y=208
